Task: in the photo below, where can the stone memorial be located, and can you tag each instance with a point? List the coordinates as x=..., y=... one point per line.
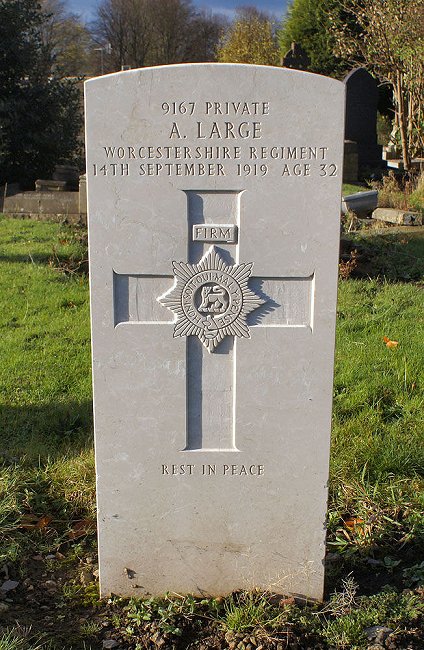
x=214, y=216
x=361, y=117
x=296, y=58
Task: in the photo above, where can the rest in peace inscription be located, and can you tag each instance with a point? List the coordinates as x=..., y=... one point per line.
x=188, y=469
x=240, y=125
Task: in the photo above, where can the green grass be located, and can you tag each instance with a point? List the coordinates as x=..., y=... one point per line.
x=390, y=255
x=247, y=611
x=349, y=188
x=378, y=399
x=259, y=619
x=21, y=639
x=416, y=200
x=45, y=383
x=346, y=617
x=45, y=353
x=377, y=462
x=61, y=490
x=377, y=459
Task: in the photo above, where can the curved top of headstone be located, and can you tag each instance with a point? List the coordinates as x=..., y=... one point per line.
x=361, y=115
x=361, y=75
x=211, y=103
x=216, y=69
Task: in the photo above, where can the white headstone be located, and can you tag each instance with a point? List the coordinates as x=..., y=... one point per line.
x=214, y=204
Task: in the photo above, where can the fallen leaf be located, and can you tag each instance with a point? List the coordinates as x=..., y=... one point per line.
x=81, y=528
x=44, y=521
x=355, y=525
x=32, y=522
x=389, y=343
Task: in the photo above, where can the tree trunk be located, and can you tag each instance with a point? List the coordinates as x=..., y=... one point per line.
x=402, y=121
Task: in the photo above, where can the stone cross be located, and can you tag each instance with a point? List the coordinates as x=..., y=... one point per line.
x=214, y=215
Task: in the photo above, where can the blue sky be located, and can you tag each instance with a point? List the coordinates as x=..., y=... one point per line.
x=86, y=8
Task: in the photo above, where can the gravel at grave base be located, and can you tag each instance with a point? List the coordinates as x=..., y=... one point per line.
x=38, y=602
x=210, y=635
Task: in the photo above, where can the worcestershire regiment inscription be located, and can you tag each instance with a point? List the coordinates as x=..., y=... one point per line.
x=214, y=201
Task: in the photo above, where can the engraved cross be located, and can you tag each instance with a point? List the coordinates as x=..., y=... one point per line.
x=211, y=379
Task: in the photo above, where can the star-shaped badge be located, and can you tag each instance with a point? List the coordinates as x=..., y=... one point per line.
x=211, y=299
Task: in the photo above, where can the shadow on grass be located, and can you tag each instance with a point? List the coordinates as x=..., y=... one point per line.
x=64, y=263
x=47, y=478
x=375, y=570
x=394, y=256
x=46, y=430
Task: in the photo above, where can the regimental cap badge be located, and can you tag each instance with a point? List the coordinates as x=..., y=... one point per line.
x=211, y=299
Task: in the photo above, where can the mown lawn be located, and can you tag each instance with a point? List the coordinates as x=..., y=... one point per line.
x=44, y=320
x=45, y=395
x=47, y=492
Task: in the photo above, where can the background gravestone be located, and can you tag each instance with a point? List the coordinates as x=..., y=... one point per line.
x=214, y=207
x=361, y=117
x=296, y=58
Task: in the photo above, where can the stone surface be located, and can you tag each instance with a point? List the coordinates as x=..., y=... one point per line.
x=397, y=163
x=56, y=206
x=109, y=644
x=82, y=197
x=360, y=202
x=67, y=173
x=377, y=633
x=361, y=117
x=213, y=349
x=42, y=185
x=399, y=217
x=350, y=162
x=9, y=585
